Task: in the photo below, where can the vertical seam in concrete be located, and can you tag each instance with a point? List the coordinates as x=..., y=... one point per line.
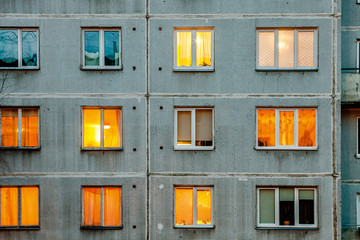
x=147, y=121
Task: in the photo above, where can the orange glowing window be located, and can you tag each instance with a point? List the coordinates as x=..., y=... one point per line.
x=287, y=48
x=193, y=49
x=193, y=207
x=19, y=214
x=101, y=128
x=13, y=119
x=102, y=206
x=286, y=128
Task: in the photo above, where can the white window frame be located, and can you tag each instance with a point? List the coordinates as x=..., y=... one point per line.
x=296, y=132
x=102, y=208
x=296, y=208
x=195, y=225
x=193, y=66
x=101, y=49
x=101, y=128
x=358, y=209
x=20, y=66
x=193, y=129
x=20, y=127
x=276, y=49
x=357, y=53
x=357, y=137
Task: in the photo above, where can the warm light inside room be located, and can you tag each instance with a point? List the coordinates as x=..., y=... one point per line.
x=112, y=206
x=29, y=128
x=184, y=206
x=203, y=208
x=92, y=205
x=286, y=128
x=307, y=128
x=306, y=41
x=9, y=127
x=183, y=48
x=112, y=135
x=286, y=48
x=29, y=206
x=9, y=206
x=203, y=48
x=266, y=49
x=92, y=121
x=266, y=127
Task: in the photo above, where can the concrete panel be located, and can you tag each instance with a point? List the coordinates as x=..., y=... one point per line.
x=350, y=13
x=235, y=59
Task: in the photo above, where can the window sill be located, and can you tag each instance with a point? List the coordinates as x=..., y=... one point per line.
x=287, y=70
x=177, y=148
x=20, y=148
x=195, y=227
x=101, y=228
x=193, y=69
x=101, y=68
x=285, y=149
x=287, y=228
x=20, y=228
x=101, y=149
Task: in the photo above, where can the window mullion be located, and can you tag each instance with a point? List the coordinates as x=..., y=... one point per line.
x=193, y=48
x=102, y=128
x=194, y=206
x=19, y=207
x=296, y=202
x=276, y=49
x=296, y=131
x=101, y=48
x=193, y=125
x=19, y=48
x=102, y=207
x=19, y=127
x=277, y=127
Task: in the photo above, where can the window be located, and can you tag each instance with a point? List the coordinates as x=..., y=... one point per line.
x=19, y=48
x=358, y=208
x=101, y=48
x=287, y=49
x=358, y=136
x=194, y=129
x=286, y=128
x=101, y=208
x=193, y=207
x=194, y=49
x=358, y=55
x=13, y=119
x=19, y=207
x=101, y=128
x=286, y=207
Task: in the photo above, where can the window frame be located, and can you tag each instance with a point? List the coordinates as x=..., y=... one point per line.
x=19, y=226
x=195, y=189
x=357, y=137
x=101, y=31
x=193, y=67
x=193, y=128
x=102, y=206
x=357, y=53
x=358, y=210
x=20, y=47
x=296, y=209
x=276, y=50
x=20, y=127
x=296, y=132
x=102, y=148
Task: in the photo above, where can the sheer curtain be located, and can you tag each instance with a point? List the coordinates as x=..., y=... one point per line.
x=9, y=206
x=29, y=206
x=29, y=128
x=183, y=48
x=92, y=206
x=112, y=128
x=112, y=206
x=203, y=48
x=9, y=127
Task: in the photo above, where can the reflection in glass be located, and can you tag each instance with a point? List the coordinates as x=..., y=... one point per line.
x=9, y=48
x=111, y=40
x=306, y=207
x=286, y=48
x=286, y=128
x=29, y=48
x=307, y=127
x=287, y=206
x=266, y=127
x=91, y=48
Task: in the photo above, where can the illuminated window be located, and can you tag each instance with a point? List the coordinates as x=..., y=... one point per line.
x=101, y=48
x=19, y=207
x=284, y=128
x=286, y=207
x=193, y=207
x=101, y=207
x=194, y=49
x=287, y=49
x=194, y=129
x=19, y=48
x=13, y=119
x=101, y=128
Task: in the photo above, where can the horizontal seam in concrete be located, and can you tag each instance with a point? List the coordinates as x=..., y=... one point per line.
x=244, y=175
x=259, y=95
x=239, y=16
x=72, y=16
x=73, y=174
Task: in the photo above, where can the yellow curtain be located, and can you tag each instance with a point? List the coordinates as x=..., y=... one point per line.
x=29, y=206
x=266, y=128
x=183, y=48
x=112, y=128
x=92, y=206
x=9, y=206
x=203, y=48
x=112, y=206
x=92, y=121
x=184, y=206
x=9, y=127
x=203, y=210
x=286, y=128
x=29, y=128
x=307, y=127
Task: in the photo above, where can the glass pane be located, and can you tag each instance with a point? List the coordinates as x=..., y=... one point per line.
x=91, y=48
x=30, y=128
x=266, y=49
x=183, y=48
x=286, y=48
x=9, y=127
x=358, y=136
x=92, y=206
x=287, y=206
x=267, y=206
x=112, y=128
x=203, y=48
x=286, y=128
x=184, y=206
x=112, y=51
x=92, y=121
x=29, y=48
x=203, y=207
x=306, y=49
x=112, y=206
x=266, y=128
x=307, y=128
x=9, y=48
x=29, y=206
x=184, y=127
x=203, y=127
x=9, y=206
x=306, y=206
